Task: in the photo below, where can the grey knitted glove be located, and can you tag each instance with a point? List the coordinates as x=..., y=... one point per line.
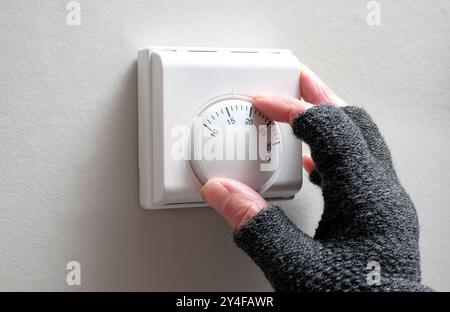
x=367, y=216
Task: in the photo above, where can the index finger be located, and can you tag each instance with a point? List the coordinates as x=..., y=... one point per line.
x=280, y=108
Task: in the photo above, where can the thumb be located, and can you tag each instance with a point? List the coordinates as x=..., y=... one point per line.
x=233, y=200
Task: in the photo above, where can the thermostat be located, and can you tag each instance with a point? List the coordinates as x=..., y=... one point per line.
x=197, y=122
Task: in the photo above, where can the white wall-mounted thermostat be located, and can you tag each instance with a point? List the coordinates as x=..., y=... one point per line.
x=197, y=122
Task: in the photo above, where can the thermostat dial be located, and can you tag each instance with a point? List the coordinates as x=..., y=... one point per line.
x=232, y=139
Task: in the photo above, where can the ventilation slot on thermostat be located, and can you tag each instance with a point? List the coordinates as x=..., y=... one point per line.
x=236, y=51
x=202, y=51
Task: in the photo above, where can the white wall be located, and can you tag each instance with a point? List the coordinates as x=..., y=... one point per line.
x=68, y=132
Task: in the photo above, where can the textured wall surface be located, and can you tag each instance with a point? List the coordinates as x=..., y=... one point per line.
x=68, y=132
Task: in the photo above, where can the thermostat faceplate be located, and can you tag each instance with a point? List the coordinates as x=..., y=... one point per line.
x=181, y=86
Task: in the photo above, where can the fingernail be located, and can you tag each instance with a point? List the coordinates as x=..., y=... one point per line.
x=262, y=96
x=215, y=194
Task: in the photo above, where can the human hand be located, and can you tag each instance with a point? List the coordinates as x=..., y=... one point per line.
x=369, y=222
x=237, y=202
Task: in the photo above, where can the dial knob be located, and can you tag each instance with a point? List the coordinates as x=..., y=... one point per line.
x=232, y=139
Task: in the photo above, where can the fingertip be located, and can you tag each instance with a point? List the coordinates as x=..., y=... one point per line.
x=233, y=200
x=261, y=96
x=272, y=106
x=241, y=189
x=214, y=193
x=279, y=107
x=308, y=163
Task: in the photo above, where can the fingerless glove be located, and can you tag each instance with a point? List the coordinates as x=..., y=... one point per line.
x=369, y=224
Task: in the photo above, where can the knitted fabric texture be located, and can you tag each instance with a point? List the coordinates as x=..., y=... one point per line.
x=367, y=239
